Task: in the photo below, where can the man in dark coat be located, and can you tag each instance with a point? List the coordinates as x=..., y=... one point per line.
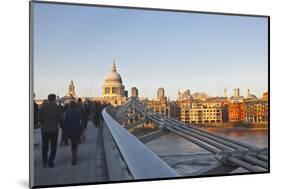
x=64, y=137
x=50, y=117
x=97, y=114
x=84, y=118
x=36, y=111
x=74, y=125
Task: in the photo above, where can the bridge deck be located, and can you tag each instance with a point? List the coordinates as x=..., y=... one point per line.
x=90, y=167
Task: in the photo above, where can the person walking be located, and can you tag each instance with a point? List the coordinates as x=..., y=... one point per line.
x=74, y=126
x=35, y=122
x=36, y=111
x=64, y=137
x=92, y=108
x=84, y=119
x=87, y=112
x=50, y=116
x=103, y=105
x=97, y=115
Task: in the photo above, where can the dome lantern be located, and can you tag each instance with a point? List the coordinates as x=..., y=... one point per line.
x=113, y=66
x=114, y=76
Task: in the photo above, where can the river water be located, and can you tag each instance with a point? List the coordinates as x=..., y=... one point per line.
x=187, y=158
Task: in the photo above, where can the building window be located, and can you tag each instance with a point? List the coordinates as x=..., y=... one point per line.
x=115, y=90
x=107, y=90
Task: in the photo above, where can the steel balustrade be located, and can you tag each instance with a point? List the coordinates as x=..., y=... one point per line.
x=229, y=151
x=141, y=162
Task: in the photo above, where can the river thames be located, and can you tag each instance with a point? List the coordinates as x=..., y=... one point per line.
x=186, y=157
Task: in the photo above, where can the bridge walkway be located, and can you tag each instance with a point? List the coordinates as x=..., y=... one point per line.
x=91, y=165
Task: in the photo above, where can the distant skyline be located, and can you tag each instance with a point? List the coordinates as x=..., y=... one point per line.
x=152, y=49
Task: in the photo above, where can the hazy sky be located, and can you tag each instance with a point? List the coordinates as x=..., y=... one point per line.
x=152, y=49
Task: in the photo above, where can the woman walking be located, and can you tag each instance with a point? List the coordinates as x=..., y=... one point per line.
x=97, y=114
x=74, y=126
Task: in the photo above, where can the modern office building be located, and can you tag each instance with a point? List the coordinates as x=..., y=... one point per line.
x=134, y=92
x=236, y=92
x=184, y=95
x=164, y=107
x=160, y=94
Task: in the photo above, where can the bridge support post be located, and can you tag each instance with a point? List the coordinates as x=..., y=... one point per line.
x=215, y=169
x=123, y=109
x=136, y=123
x=152, y=136
x=124, y=119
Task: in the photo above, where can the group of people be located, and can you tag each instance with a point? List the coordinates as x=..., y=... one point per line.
x=72, y=118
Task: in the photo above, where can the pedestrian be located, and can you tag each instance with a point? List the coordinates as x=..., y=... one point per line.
x=84, y=118
x=36, y=112
x=73, y=123
x=102, y=106
x=92, y=111
x=50, y=116
x=87, y=112
x=64, y=136
x=97, y=116
x=35, y=122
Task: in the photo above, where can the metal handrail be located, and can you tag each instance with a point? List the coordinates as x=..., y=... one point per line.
x=141, y=161
x=234, y=152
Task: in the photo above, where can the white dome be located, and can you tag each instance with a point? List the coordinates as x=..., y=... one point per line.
x=113, y=89
x=113, y=76
x=251, y=96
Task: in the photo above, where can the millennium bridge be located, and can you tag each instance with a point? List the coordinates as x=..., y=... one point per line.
x=112, y=153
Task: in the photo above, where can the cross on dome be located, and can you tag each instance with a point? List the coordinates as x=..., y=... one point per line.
x=71, y=82
x=114, y=66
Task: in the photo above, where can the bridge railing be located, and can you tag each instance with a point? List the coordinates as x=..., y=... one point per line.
x=140, y=161
x=228, y=151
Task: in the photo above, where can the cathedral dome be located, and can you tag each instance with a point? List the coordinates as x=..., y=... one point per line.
x=113, y=76
x=113, y=88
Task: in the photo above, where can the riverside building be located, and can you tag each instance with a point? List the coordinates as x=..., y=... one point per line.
x=201, y=112
x=256, y=111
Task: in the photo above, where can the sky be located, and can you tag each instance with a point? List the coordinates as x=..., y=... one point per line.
x=152, y=49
